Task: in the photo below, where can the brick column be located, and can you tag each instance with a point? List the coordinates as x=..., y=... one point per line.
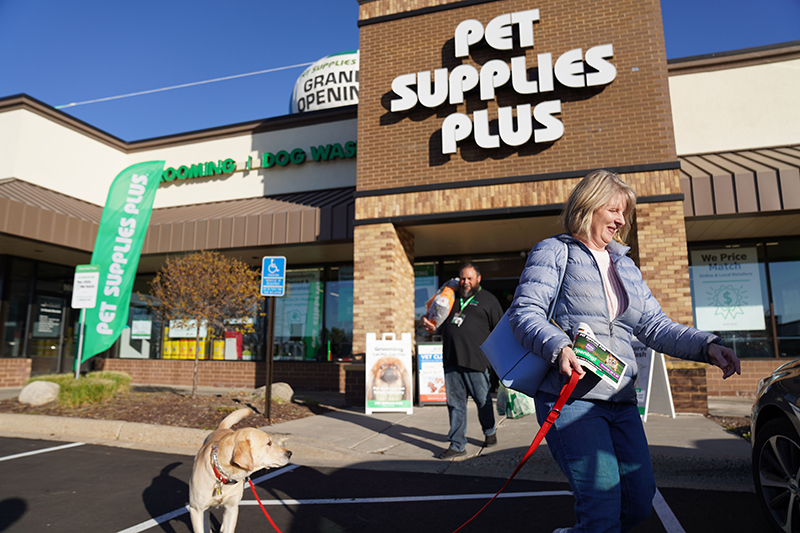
x=664, y=262
x=664, y=258
x=383, y=282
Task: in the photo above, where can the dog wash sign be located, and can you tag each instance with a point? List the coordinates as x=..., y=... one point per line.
x=117, y=249
x=573, y=68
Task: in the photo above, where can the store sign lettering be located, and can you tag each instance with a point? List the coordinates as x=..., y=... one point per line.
x=282, y=158
x=572, y=69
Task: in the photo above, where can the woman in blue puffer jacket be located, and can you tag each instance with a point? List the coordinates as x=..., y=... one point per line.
x=599, y=441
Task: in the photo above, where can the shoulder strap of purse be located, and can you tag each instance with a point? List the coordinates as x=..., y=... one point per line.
x=561, y=273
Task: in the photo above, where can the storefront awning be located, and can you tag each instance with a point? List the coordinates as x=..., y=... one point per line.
x=31, y=212
x=744, y=181
x=294, y=218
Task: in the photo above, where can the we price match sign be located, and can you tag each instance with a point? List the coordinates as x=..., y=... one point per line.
x=726, y=285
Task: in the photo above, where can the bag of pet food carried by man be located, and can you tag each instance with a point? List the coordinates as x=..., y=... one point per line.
x=440, y=305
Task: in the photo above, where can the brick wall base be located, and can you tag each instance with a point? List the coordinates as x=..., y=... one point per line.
x=230, y=374
x=356, y=385
x=14, y=372
x=745, y=385
x=687, y=381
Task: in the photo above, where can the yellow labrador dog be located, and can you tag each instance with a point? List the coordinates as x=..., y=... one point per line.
x=222, y=466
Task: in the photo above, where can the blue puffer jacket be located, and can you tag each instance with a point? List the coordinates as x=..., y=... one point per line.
x=582, y=299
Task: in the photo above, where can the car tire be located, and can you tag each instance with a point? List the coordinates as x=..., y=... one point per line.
x=776, y=474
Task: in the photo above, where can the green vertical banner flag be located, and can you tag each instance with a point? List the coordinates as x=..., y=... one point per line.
x=117, y=249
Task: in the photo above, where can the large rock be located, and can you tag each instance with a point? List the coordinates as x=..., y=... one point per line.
x=39, y=393
x=280, y=391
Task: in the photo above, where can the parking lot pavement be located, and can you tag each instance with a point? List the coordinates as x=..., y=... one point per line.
x=68, y=487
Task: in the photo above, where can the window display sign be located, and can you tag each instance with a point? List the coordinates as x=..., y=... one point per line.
x=388, y=367
x=140, y=329
x=430, y=371
x=49, y=314
x=726, y=286
x=186, y=329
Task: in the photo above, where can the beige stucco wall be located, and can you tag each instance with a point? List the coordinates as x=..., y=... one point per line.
x=738, y=108
x=41, y=151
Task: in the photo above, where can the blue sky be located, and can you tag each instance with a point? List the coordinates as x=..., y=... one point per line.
x=61, y=52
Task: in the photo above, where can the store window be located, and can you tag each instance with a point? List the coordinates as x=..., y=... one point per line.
x=142, y=336
x=313, y=322
x=748, y=293
x=37, y=320
x=18, y=284
x=339, y=314
x=784, y=273
x=298, y=317
x=146, y=337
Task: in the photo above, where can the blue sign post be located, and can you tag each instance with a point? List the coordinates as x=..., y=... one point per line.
x=273, y=283
x=273, y=276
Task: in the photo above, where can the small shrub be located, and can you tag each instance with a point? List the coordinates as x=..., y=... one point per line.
x=86, y=390
x=122, y=379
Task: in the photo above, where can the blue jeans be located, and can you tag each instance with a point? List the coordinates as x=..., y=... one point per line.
x=459, y=382
x=602, y=449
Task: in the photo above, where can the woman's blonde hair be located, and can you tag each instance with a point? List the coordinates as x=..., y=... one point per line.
x=596, y=190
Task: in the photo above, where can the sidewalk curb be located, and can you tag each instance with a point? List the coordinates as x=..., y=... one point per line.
x=107, y=432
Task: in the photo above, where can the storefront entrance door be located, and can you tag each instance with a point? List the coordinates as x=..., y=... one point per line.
x=49, y=339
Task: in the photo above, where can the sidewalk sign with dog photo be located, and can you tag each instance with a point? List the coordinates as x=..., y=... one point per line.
x=388, y=367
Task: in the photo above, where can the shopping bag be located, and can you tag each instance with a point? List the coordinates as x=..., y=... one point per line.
x=518, y=404
x=502, y=399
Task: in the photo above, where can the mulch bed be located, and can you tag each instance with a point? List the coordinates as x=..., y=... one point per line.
x=738, y=425
x=170, y=408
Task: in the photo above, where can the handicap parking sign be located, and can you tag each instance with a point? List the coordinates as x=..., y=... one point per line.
x=273, y=276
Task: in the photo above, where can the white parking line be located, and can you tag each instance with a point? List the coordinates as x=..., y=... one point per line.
x=153, y=522
x=44, y=450
x=665, y=514
x=407, y=499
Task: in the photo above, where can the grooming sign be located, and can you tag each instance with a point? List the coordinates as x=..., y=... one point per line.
x=388, y=373
x=574, y=69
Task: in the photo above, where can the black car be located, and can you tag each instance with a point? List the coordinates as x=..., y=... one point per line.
x=774, y=431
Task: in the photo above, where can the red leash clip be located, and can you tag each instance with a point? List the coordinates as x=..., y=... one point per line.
x=554, y=413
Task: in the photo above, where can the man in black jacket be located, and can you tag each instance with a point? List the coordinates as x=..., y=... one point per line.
x=466, y=371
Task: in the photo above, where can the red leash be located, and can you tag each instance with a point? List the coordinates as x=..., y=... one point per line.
x=262, y=507
x=566, y=390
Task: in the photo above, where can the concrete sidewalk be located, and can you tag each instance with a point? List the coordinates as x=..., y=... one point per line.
x=688, y=451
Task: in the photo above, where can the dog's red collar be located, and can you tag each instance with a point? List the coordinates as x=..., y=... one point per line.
x=222, y=476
